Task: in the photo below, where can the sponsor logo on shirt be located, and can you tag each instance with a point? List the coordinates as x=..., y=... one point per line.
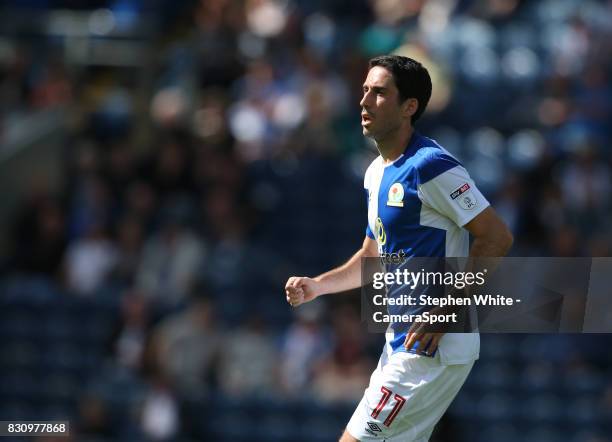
x=464, y=197
x=381, y=236
x=393, y=257
x=459, y=191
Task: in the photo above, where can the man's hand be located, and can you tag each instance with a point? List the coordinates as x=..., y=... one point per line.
x=426, y=340
x=301, y=289
x=421, y=332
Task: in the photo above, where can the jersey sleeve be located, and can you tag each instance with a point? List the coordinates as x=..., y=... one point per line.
x=445, y=186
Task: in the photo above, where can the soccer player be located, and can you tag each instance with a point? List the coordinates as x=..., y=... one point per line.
x=421, y=203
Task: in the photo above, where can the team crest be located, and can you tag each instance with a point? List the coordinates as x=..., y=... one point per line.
x=465, y=197
x=396, y=195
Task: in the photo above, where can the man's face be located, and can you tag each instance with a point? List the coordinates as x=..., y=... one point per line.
x=381, y=110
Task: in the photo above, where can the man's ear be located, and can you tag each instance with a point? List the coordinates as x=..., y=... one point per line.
x=409, y=107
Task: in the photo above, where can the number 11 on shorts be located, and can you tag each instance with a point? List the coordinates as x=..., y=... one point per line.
x=399, y=403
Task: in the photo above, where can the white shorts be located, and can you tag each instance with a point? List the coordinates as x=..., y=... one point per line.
x=407, y=396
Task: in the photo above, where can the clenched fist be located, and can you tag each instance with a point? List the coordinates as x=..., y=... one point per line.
x=301, y=289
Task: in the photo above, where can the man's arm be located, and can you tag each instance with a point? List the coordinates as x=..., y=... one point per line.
x=301, y=289
x=492, y=238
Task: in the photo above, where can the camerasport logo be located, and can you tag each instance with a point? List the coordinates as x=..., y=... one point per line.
x=464, y=197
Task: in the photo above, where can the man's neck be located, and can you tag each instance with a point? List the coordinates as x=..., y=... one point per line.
x=392, y=148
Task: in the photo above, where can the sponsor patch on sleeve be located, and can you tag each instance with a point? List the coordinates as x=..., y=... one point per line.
x=459, y=191
x=464, y=197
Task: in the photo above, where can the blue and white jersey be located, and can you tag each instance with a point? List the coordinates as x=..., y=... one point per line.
x=417, y=207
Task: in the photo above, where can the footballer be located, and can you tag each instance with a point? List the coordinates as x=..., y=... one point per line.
x=421, y=203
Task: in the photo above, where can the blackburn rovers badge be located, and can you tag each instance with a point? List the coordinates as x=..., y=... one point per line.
x=396, y=195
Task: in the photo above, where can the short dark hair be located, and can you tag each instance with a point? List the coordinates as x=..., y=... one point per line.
x=411, y=79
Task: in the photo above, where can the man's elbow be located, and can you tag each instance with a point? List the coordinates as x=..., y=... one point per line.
x=506, y=240
x=497, y=241
x=367, y=252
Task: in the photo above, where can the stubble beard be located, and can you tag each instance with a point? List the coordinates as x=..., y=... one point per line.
x=380, y=135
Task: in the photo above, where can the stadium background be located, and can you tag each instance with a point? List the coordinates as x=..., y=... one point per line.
x=165, y=165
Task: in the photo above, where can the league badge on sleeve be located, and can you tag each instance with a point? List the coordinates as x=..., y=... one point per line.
x=465, y=197
x=396, y=195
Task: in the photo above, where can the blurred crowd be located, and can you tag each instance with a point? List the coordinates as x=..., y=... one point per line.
x=187, y=200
